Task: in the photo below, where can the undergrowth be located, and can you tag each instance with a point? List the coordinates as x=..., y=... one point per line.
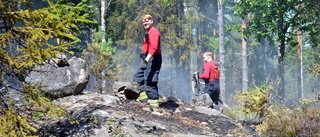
x=276, y=119
x=252, y=104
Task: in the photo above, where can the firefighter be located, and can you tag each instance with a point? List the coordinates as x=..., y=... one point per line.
x=147, y=75
x=211, y=75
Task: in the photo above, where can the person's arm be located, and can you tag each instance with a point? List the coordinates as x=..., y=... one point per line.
x=154, y=44
x=149, y=56
x=206, y=72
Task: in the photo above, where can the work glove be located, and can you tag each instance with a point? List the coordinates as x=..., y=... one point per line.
x=142, y=56
x=144, y=65
x=195, y=75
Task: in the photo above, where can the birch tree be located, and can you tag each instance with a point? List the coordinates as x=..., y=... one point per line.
x=103, y=30
x=221, y=51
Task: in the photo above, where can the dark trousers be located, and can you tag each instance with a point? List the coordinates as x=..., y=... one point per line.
x=213, y=89
x=148, y=78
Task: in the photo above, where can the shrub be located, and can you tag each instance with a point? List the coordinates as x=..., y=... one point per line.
x=301, y=120
x=256, y=101
x=280, y=122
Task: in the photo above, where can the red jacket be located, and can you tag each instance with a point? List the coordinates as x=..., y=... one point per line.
x=209, y=72
x=153, y=45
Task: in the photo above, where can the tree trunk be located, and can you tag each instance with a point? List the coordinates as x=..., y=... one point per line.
x=299, y=63
x=199, y=40
x=103, y=24
x=221, y=51
x=244, y=54
x=281, y=86
x=102, y=83
x=264, y=61
x=282, y=30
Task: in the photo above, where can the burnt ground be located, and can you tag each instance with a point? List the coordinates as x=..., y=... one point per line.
x=183, y=119
x=132, y=118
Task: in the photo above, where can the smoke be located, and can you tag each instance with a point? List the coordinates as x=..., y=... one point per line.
x=172, y=81
x=262, y=67
x=175, y=83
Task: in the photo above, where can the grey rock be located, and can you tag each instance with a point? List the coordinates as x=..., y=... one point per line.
x=202, y=100
x=130, y=90
x=100, y=132
x=101, y=113
x=209, y=111
x=61, y=81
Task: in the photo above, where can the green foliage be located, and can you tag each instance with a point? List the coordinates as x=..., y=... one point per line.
x=26, y=41
x=99, y=56
x=37, y=28
x=278, y=120
x=237, y=114
x=213, y=43
x=256, y=101
x=13, y=124
x=279, y=19
x=38, y=107
x=105, y=46
x=38, y=116
x=35, y=98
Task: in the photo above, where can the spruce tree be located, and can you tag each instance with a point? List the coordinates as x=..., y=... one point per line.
x=28, y=39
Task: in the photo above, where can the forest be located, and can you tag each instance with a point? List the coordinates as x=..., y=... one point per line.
x=278, y=46
x=269, y=47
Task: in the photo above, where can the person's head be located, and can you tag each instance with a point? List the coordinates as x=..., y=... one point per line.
x=207, y=56
x=147, y=21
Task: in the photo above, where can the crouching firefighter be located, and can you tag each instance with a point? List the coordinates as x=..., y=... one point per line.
x=211, y=75
x=148, y=73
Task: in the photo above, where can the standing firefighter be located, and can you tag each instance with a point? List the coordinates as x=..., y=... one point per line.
x=211, y=74
x=147, y=75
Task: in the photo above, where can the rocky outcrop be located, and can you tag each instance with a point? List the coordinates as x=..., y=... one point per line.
x=63, y=81
x=99, y=115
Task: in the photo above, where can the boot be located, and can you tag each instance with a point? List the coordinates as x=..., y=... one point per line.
x=143, y=97
x=154, y=102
